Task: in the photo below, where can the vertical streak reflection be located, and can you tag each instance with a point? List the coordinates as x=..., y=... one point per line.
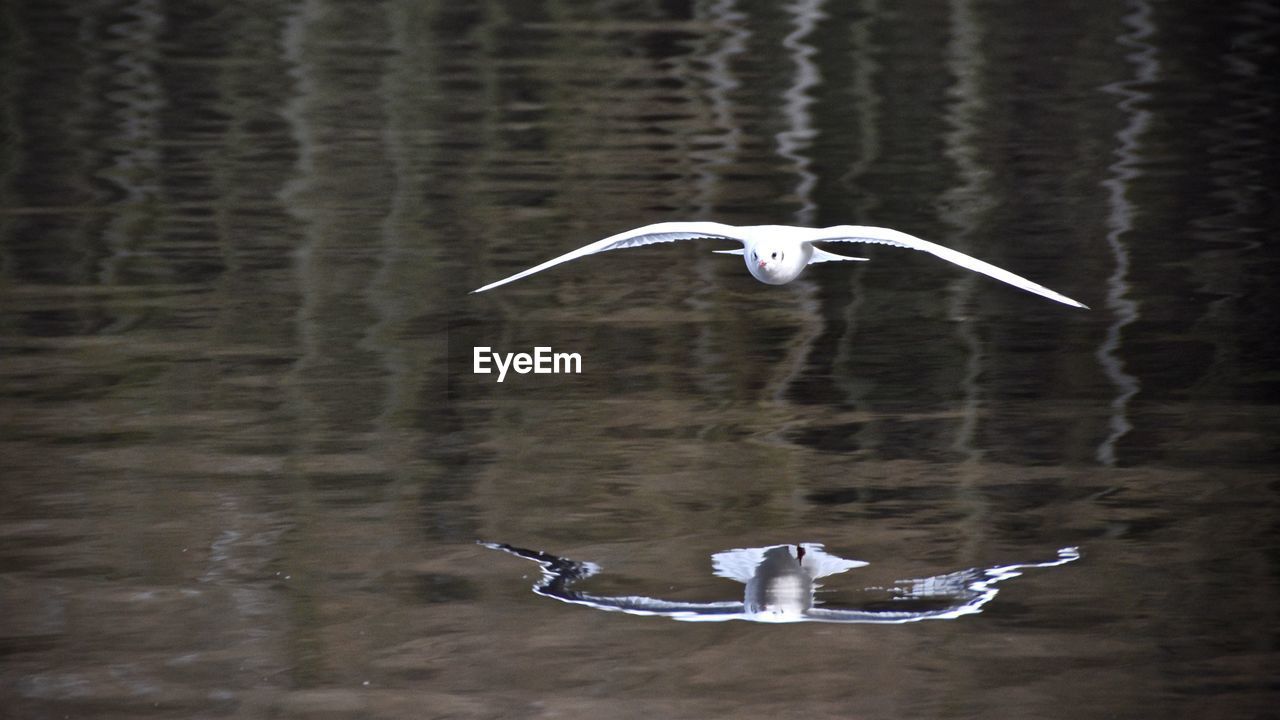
x=1124, y=171
x=727, y=40
x=792, y=144
x=11, y=134
x=963, y=206
x=796, y=101
x=390, y=308
x=292, y=41
x=137, y=98
x=965, y=203
x=1237, y=150
x=866, y=115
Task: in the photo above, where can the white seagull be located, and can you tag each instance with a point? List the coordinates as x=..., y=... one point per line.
x=777, y=254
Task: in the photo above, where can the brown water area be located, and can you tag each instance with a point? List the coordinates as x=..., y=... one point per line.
x=246, y=465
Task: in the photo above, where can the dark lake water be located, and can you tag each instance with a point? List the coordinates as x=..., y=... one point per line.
x=246, y=467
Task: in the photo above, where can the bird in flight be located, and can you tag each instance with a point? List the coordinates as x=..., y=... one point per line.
x=777, y=254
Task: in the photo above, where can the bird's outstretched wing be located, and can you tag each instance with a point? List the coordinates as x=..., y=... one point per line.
x=652, y=607
x=886, y=236
x=937, y=597
x=647, y=235
x=559, y=574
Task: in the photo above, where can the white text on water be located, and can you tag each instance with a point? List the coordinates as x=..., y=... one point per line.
x=543, y=361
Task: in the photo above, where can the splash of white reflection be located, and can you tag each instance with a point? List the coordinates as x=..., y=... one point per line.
x=1124, y=171
x=800, y=132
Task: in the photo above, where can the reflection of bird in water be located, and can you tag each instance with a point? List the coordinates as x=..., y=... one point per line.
x=777, y=254
x=781, y=581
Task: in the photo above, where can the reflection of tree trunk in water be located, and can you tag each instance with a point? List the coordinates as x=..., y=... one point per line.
x=792, y=144
x=714, y=151
x=866, y=111
x=1120, y=220
x=408, y=268
x=14, y=151
x=798, y=137
x=297, y=113
x=1235, y=145
x=333, y=283
x=301, y=648
x=964, y=207
x=136, y=99
x=722, y=147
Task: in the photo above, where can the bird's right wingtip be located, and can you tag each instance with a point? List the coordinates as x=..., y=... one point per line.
x=1060, y=298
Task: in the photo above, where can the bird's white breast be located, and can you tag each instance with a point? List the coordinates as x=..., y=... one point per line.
x=795, y=257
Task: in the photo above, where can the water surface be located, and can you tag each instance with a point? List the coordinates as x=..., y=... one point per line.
x=246, y=463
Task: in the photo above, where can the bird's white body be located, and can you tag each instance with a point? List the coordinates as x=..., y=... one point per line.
x=777, y=254
x=774, y=255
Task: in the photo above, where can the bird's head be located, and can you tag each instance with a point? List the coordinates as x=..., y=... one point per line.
x=773, y=262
